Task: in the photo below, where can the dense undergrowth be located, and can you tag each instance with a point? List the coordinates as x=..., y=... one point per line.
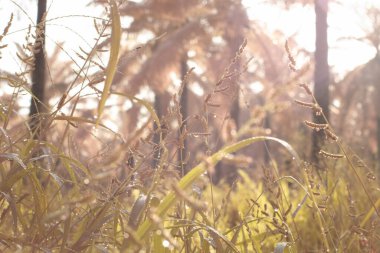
x=56, y=198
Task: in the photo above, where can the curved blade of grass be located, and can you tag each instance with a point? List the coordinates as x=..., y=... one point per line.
x=205, y=245
x=14, y=157
x=114, y=57
x=72, y=174
x=370, y=214
x=39, y=196
x=138, y=207
x=99, y=218
x=217, y=237
x=197, y=171
x=69, y=159
x=15, y=212
x=14, y=174
x=7, y=184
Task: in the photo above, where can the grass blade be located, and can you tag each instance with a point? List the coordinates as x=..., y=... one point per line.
x=197, y=171
x=114, y=57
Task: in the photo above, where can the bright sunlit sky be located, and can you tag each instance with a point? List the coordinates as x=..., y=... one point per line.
x=345, y=20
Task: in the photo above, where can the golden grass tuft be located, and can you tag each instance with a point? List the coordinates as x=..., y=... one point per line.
x=88, y=188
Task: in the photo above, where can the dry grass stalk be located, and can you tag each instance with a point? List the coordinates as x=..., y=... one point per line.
x=330, y=155
x=6, y=28
x=316, y=126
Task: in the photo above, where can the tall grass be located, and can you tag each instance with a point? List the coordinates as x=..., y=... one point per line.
x=56, y=196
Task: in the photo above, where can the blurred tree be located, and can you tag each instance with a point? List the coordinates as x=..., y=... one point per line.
x=359, y=93
x=184, y=114
x=208, y=34
x=321, y=73
x=212, y=30
x=38, y=75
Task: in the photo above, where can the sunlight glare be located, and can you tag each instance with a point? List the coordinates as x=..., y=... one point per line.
x=256, y=87
x=336, y=103
x=197, y=89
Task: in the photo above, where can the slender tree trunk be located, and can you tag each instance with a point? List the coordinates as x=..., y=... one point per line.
x=267, y=125
x=235, y=108
x=220, y=169
x=377, y=106
x=185, y=113
x=38, y=74
x=321, y=73
x=378, y=144
x=156, y=139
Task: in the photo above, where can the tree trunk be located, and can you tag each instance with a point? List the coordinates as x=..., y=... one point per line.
x=235, y=108
x=156, y=139
x=185, y=113
x=377, y=104
x=230, y=173
x=38, y=74
x=321, y=73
